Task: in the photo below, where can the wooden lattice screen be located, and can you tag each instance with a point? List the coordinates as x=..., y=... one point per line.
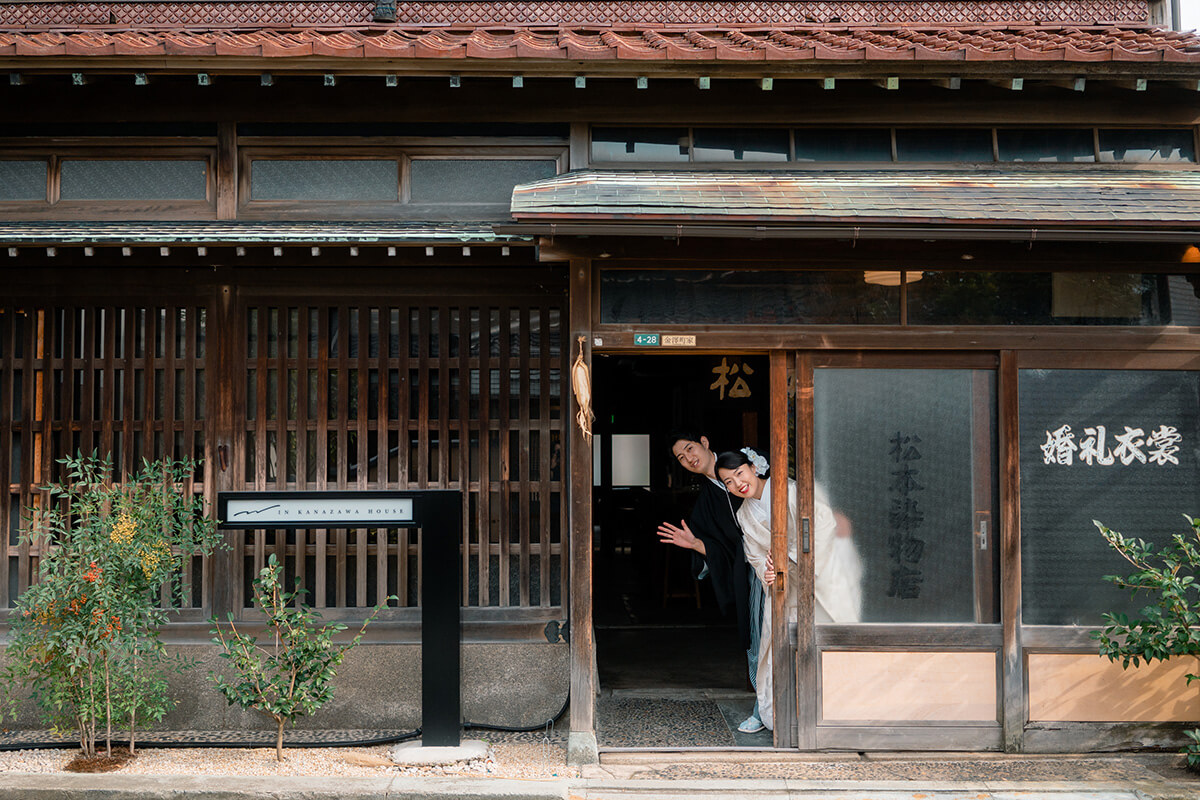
x=125, y=381
x=409, y=394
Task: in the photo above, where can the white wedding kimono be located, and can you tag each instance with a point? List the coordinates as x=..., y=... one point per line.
x=837, y=573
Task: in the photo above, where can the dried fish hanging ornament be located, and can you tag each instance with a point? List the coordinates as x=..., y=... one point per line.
x=581, y=382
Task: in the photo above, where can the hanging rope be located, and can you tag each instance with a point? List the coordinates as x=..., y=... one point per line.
x=581, y=382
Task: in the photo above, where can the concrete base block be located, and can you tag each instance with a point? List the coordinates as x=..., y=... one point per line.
x=582, y=748
x=411, y=753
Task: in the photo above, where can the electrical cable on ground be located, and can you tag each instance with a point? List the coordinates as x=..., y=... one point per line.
x=390, y=739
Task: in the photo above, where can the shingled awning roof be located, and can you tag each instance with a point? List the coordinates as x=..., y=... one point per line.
x=248, y=233
x=1060, y=198
x=804, y=43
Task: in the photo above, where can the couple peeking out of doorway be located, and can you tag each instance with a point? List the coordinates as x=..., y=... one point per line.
x=729, y=534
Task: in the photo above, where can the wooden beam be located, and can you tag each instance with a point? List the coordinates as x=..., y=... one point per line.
x=578, y=144
x=227, y=447
x=1074, y=84
x=581, y=743
x=806, y=686
x=1013, y=714
x=786, y=582
x=1135, y=85
x=1012, y=84
x=227, y=170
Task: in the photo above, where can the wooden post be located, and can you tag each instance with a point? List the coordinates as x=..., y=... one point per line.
x=227, y=451
x=806, y=643
x=227, y=170
x=581, y=741
x=1013, y=717
x=781, y=664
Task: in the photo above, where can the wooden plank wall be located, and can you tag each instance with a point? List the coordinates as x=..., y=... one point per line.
x=409, y=394
x=127, y=381
x=340, y=392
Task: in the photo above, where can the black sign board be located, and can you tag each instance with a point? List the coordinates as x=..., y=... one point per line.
x=438, y=513
x=1118, y=446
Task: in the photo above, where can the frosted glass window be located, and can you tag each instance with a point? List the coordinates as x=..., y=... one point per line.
x=745, y=297
x=1119, y=446
x=640, y=144
x=738, y=144
x=345, y=180
x=1148, y=146
x=630, y=459
x=473, y=180
x=1058, y=298
x=906, y=460
x=23, y=180
x=847, y=144
x=134, y=180
x=943, y=144
x=1046, y=145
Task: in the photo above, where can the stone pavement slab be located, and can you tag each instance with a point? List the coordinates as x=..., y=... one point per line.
x=676, y=776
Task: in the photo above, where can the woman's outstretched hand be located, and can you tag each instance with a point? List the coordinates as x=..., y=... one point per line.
x=680, y=537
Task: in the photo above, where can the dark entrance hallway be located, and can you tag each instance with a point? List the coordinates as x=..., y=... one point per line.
x=671, y=670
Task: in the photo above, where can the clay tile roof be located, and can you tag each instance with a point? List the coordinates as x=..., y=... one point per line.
x=1046, y=197
x=712, y=44
x=598, y=30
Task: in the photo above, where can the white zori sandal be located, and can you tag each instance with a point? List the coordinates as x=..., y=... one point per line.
x=751, y=724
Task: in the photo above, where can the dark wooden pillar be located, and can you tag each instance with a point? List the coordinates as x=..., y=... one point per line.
x=1013, y=717
x=581, y=744
x=225, y=448
x=806, y=645
x=226, y=183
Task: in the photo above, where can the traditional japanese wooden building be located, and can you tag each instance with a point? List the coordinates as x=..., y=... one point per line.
x=939, y=257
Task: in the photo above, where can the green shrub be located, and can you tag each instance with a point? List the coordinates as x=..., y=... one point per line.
x=1168, y=626
x=292, y=676
x=85, y=639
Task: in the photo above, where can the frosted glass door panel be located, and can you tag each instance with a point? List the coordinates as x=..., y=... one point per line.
x=906, y=459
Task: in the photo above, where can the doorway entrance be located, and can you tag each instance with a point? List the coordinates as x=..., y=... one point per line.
x=671, y=667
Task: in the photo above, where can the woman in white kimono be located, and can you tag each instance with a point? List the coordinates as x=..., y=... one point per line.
x=837, y=568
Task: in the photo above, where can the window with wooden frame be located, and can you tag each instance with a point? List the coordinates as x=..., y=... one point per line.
x=123, y=379
x=151, y=181
x=412, y=182
x=410, y=393
x=813, y=146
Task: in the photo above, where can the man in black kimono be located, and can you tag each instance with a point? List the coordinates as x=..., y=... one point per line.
x=715, y=539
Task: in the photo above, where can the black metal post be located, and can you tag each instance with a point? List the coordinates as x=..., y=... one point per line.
x=440, y=517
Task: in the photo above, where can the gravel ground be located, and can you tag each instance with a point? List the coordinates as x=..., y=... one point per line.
x=505, y=760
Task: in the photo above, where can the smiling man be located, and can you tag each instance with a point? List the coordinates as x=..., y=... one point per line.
x=716, y=542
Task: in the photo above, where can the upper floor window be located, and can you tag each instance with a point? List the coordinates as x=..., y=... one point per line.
x=835, y=145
